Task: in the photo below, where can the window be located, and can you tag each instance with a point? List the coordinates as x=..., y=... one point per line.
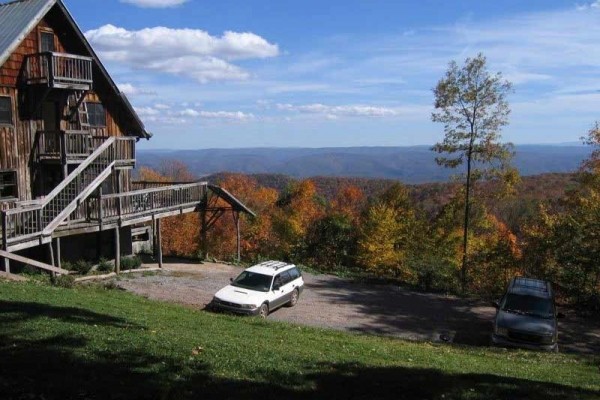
x=6, y=111
x=96, y=114
x=294, y=273
x=285, y=278
x=8, y=185
x=46, y=41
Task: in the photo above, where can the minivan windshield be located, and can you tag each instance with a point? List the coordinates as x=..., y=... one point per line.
x=253, y=281
x=527, y=305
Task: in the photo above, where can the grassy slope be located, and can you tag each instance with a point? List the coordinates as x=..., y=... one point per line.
x=97, y=343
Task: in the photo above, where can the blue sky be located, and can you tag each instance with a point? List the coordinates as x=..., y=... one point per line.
x=256, y=73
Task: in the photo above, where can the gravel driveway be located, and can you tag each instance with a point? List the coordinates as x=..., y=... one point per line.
x=332, y=302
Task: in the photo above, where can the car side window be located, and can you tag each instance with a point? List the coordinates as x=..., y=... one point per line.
x=277, y=281
x=294, y=273
x=285, y=278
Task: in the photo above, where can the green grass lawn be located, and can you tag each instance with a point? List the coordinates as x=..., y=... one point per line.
x=94, y=343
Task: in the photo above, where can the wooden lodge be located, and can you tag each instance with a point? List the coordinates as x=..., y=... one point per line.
x=67, y=149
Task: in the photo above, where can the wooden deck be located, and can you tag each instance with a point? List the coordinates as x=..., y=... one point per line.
x=99, y=213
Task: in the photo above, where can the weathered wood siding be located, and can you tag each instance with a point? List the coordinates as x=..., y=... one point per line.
x=17, y=141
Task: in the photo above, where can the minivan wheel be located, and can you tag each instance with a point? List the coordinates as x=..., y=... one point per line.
x=293, y=298
x=264, y=311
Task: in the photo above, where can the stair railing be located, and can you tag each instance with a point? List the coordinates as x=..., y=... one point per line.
x=42, y=218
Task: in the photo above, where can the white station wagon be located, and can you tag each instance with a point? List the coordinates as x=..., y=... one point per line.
x=261, y=289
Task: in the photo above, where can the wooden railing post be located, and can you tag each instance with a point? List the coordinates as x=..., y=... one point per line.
x=5, y=261
x=51, y=72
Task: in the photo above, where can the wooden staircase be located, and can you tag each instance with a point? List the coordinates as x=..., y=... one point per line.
x=33, y=224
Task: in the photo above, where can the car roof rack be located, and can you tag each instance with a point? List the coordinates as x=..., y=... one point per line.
x=531, y=284
x=273, y=264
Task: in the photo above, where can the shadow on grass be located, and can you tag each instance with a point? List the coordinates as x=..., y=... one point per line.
x=66, y=366
x=14, y=311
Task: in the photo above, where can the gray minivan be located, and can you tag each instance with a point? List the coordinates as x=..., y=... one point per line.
x=526, y=316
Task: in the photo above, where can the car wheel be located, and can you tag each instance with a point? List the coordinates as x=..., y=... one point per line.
x=264, y=310
x=294, y=298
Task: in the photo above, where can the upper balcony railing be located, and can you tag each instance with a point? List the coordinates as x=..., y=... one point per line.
x=59, y=70
x=76, y=146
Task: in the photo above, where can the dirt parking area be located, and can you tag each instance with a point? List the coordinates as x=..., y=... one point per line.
x=337, y=303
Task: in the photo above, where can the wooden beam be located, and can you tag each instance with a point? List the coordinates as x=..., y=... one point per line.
x=117, y=250
x=159, y=243
x=33, y=263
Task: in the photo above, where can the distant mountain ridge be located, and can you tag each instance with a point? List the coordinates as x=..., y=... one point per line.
x=411, y=165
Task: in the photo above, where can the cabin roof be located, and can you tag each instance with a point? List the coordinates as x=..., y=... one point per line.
x=18, y=18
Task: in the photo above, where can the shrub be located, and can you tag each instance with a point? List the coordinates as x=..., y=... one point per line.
x=64, y=281
x=105, y=266
x=133, y=262
x=82, y=267
x=30, y=270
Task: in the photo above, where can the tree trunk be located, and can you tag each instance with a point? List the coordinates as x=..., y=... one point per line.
x=466, y=222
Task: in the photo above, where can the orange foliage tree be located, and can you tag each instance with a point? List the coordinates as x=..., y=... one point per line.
x=257, y=238
x=180, y=234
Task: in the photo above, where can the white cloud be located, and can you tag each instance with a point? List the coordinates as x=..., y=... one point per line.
x=164, y=114
x=337, y=111
x=131, y=90
x=188, y=112
x=587, y=6
x=186, y=52
x=155, y=3
x=235, y=116
x=146, y=111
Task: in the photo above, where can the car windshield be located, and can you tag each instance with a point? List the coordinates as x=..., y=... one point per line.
x=527, y=305
x=253, y=281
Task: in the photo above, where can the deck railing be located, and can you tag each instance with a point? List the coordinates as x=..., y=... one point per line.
x=108, y=208
x=58, y=69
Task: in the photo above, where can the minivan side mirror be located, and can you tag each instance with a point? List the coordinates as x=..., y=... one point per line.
x=276, y=287
x=560, y=315
x=495, y=304
x=230, y=279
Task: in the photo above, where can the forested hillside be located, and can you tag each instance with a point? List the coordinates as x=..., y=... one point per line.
x=407, y=164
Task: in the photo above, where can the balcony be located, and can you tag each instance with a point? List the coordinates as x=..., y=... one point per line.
x=58, y=71
x=74, y=147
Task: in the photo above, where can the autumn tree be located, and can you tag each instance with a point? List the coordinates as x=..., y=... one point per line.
x=563, y=247
x=471, y=104
x=257, y=237
x=387, y=235
x=180, y=234
x=300, y=206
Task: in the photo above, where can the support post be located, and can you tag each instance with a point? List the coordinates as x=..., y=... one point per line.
x=159, y=240
x=99, y=237
x=117, y=250
x=51, y=255
x=236, y=219
x=154, y=252
x=58, y=256
x=203, y=234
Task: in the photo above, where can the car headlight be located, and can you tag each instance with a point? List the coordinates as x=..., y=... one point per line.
x=248, y=306
x=215, y=300
x=501, y=331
